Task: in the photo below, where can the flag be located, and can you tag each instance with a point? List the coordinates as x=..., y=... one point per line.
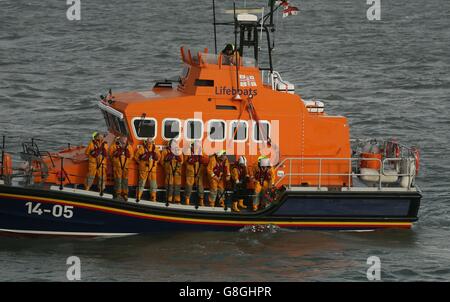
x=247, y=80
x=290, y=11
x=284, y=4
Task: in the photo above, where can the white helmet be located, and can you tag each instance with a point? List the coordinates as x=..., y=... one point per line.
x=265, y=162
x=242, y=161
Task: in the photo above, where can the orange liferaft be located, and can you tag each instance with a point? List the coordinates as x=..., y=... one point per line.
x=372, y=161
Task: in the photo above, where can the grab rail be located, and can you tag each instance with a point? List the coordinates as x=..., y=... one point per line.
x=289, y=160
x=2, y=163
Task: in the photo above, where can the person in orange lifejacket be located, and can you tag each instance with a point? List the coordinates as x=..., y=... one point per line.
x=240, y=176
x=230, y=55
x=96, y=152
x=121, y=153
x=172, y=161
x=147, y=157
x=196, y=163
x=218, y=174
x=263, y=178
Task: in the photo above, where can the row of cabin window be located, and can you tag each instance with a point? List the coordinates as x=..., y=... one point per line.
x=193, y=129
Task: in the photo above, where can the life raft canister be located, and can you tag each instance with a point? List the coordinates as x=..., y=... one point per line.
x=371, y=162
x=373, y=156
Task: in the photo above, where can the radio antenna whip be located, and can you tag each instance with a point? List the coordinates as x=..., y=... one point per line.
x=236, y=52
x=214, y=21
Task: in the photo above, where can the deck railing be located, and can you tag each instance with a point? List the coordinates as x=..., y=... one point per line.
x=2, y=159
x=352, y=168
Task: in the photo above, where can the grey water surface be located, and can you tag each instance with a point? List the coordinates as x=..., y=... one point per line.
x=390, y=78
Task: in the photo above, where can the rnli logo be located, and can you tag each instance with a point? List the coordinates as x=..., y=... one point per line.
x=246, y=82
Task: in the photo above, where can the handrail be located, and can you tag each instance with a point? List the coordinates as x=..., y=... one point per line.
x=2, y=163
x=408, y=149
x=350, y=174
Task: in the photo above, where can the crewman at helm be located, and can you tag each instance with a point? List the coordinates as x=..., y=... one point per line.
x=172, y=161
x=218, y=174
x=240, y=177
x=229, y=55
x=96, y=152
x=147, y=157
x=121, y=153
x=263, y=178
x=196, y=163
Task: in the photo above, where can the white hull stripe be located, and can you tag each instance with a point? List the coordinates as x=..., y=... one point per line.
x=68, y=233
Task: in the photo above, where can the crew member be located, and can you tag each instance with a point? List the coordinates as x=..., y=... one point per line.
x=229, y=55
x=240, y=177
x=196, y=163
x=218, y=173
x=263, y=178
x=121, y=153
x=147, y=157
x=96, y=153
x=172, y=161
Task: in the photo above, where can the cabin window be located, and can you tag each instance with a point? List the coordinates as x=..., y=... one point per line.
x=112, y=124
x=110, y=121
x=115, y=124
x=118, y=125
x=216, y=130
x=193, y=129
x=105, y=115
x=261, y=131
x=121, y=126
x=238, y=131
x=225, y=107
x=206, y=83
x=144, y=127
x=171, y=128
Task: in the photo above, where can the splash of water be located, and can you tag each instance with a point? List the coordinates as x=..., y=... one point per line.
x=261, y=228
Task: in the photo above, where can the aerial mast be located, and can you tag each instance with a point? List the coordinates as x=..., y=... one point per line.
x=215, y=31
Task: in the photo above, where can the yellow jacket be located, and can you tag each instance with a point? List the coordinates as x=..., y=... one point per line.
x=96, y=152
x=217, y=170
x=120, y=156
x=172, y=163
x=147, y=157
x=194, y=162
x=263, y=177
x=239, y=173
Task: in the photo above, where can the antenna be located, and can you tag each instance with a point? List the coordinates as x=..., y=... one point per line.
x=237, y=96
x=214, y=21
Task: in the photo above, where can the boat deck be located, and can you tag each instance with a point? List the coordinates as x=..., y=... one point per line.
x=143, y=202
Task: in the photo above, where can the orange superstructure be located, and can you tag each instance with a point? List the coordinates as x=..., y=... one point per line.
x=211, y=95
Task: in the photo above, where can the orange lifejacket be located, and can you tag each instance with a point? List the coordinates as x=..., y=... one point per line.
x=122, y=151
x=147, y=153
x=263, y=175
x=170, y=156
x=241, y=172
x=220, y=168
x=98, y=149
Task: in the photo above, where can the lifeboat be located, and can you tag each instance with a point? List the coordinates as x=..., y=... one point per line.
x=323, y=178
